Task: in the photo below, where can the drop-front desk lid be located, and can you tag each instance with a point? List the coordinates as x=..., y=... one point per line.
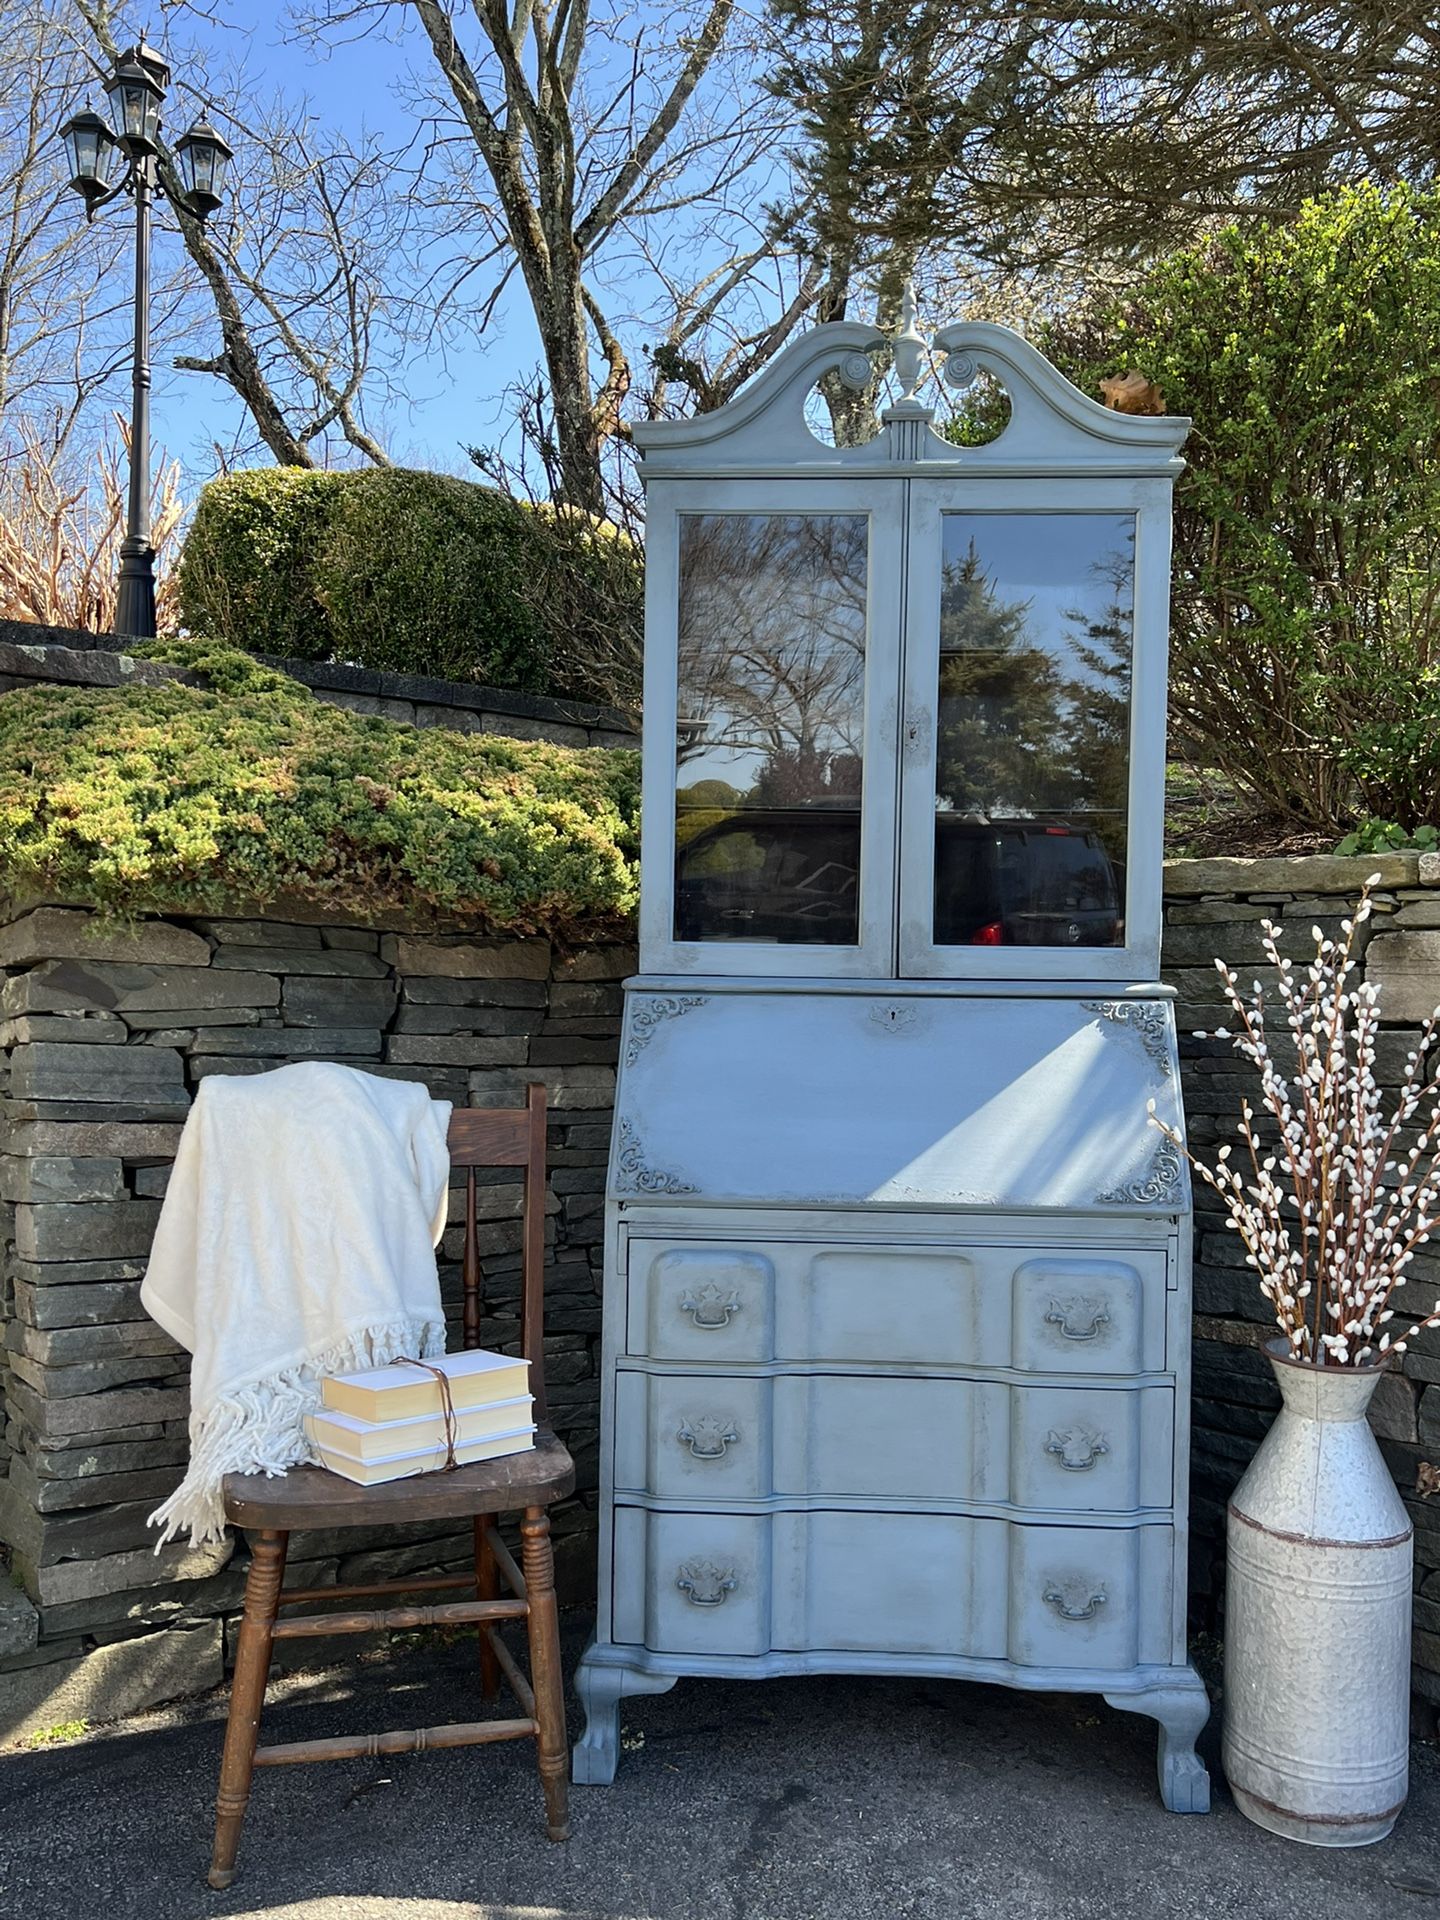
x=797, y=1098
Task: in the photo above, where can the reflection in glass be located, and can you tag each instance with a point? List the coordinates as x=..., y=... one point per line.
x=1032, y=729
x=771, y=727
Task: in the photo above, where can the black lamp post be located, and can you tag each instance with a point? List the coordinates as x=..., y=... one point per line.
x=136, y=89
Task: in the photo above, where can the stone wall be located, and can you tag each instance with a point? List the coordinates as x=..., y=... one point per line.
x=1215, y=907
x=107, y=1032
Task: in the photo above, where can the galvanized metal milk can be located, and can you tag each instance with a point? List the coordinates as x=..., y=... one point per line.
x=1317, y=1619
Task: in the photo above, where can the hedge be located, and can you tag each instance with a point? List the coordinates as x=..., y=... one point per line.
x=415, y=572
x=248, y=565
x=247, y=788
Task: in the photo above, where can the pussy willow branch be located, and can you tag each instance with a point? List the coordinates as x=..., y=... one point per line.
x=1362, y=1209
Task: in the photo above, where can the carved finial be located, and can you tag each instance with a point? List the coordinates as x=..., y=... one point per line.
x=910, y=348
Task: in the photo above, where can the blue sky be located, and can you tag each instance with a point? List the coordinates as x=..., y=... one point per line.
x=449, y=407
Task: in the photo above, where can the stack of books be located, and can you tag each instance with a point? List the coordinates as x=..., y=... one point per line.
x=389, y=1422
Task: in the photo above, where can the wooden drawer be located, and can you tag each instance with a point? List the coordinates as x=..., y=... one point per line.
x=1091, y=1597
x=710, y=1436
x=737, y=1585
x=1042, y=1310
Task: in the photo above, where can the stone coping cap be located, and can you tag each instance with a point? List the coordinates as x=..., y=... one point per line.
x=1294, y=873
x=70, y=656
x=284, y=911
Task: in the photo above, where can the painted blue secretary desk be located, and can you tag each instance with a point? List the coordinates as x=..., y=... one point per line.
x=897, y=1309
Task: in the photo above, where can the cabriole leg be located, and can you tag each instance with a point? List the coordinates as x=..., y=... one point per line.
x=601, y=1689
x=1181, y=1706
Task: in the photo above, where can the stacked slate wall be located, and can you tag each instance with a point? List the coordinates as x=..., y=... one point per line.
x=1215, y=907
x=107, y=1032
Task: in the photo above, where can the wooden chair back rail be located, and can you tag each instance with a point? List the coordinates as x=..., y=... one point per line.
x=526, y=1483
x=510, y=1138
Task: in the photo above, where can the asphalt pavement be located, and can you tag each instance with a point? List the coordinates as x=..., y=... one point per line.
x=806, y=1799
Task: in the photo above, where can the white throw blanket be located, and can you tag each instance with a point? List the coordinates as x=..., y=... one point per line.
x=297, y=1239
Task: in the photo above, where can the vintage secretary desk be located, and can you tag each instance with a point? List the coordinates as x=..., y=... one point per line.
x=896, y=1350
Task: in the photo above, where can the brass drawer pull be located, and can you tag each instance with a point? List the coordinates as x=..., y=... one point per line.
x=1079, y=1318
x=709, y=1307
x=707, y=1437
x=1066, y=1602
x=704, y=1584
x=1076, y=1449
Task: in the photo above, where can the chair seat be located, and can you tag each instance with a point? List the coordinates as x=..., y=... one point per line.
x=314, y=1497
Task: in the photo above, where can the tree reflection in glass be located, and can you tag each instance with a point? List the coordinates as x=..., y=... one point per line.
x=1032, y=729
x=771, y=727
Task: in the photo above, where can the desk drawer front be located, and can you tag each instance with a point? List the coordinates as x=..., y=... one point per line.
x=1052, y=1311
x=742, y=1584
x=709, y=1436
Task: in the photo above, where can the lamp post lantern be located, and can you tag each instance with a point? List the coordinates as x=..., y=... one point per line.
x=103, y=165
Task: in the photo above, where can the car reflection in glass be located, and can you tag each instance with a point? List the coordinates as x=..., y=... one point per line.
x=792, y=877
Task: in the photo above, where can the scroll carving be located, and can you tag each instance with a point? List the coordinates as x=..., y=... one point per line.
x=1161, y=1184
x=649, y=1013
x=632, y=1173
x=1147, y=1020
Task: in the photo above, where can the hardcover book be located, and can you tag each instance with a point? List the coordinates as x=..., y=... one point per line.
x=387, y=1439
x=406, y=1392
x=373, y=1473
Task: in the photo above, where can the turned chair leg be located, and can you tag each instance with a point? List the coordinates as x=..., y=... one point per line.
x=487, y=1587
x=543, y=1623
x=247, y=1697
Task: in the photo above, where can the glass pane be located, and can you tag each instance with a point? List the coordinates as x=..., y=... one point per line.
x=1032, y=729
x=771, y=727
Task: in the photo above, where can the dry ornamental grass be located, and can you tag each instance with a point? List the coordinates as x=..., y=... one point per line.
x=61, y=528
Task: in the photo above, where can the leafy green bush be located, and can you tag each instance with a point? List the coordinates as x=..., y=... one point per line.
x=414, y=572
x=1306, y=630
x=424, y=573
x=247, y=571
x=1387, y=836
x=248, y=788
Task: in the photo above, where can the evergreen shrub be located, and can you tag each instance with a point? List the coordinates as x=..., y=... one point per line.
x=412, y=572
x=246, y=788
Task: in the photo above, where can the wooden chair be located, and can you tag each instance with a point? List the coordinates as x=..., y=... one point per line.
x=271, y=1508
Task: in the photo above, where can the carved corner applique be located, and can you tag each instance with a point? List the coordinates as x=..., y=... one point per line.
x=1147, y=1020
x=634, y=1176
x=1162, y=1184
x=649, y=1013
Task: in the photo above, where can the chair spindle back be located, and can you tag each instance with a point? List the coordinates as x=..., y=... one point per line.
x=507, y=1137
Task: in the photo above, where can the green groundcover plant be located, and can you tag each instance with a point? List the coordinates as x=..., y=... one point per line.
x=245, y=787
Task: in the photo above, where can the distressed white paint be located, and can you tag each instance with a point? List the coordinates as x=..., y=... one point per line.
x=1319, y=1557
x=897, y=1321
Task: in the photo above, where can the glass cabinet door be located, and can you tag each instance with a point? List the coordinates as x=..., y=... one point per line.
x=1020, y=683
x=781, y=850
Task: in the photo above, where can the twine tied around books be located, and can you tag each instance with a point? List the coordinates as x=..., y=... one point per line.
x=447, y=1407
